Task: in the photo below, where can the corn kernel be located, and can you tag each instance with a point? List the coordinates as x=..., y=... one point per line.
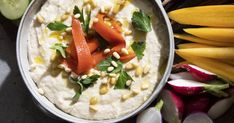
x=93, y=100
x=103, y=89
x=139, y=71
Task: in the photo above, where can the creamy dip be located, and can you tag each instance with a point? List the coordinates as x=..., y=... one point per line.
x=54, y=84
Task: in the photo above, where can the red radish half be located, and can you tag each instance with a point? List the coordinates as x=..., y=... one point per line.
x=173, y=108
x=198, y=118
x=198, y=73
x=190, y=87
x=220, y=107
x=182, y=75
x=197, y=104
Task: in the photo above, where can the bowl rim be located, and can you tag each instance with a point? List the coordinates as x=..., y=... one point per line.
x=67, y=117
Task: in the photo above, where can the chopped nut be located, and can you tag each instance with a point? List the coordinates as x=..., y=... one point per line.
x=129, y=82
x=93, y=100
x=77, y=16
x=67, y=69
x=116, y=55
x=127, y=32
x=125, y=97
x=106, y=51
x=113, y=80
x=138, y=71
x=73, y=75
x=95, y=20
x=136, y=91
x=144, y=86
x=109, y=69
x=93, y=108
x=103, y=74
x=145, y=98
x=63, y=34
x=40, y=91
x=40, y=19
x=103, y=89
x=129, y=66
x=124, y=51
x=69, y=29
x=84, y=77
x=64, y=17
x=86, y=1
x=114, y=63
x=146, y=69
x=62, y=66
x=112, y=75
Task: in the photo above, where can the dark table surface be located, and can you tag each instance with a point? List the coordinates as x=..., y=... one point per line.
x=16, y=104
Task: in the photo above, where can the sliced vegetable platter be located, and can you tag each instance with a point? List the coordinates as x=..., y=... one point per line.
x=200, y=87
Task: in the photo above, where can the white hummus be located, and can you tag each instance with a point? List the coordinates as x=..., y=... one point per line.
x=58, y=89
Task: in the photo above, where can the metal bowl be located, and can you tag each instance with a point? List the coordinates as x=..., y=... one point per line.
x=165, y=36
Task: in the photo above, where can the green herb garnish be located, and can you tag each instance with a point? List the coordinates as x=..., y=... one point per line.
x=57, y=26
x=60, y=48
x=90, y=80
x=139, y=48
x=83, y=84
x=123, y=78
x=103, y=43
x=103, y=65
x=85, y=22
x=141, y=21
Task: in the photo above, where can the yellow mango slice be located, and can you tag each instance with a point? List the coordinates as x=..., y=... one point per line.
x=215, y=16
x=216, y=53
x=202, y=41
x=219, y=68
x=193, y=45
x=214, y=34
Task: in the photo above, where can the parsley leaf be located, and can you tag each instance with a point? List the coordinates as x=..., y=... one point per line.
x=89, y=80
x=85, y=22
x=141, y=21
x=78, y=11
x=103, y=43
x=59, y=48
x=103, y=65
x=57, y=26
x=119, y=68
x=123, y=78
x=139, y=48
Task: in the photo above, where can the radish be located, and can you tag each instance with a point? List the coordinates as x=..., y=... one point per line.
x=151, y=115
x=197, y=104
x=190, y=87
x=182, y=75
x=220, y=107
x=173, y=108
x=198, y=118
x=198, y=73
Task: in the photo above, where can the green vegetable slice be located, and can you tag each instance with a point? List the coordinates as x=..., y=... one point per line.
x=89, y=80
x=59, y=48
x=13, y=9
x=139, y=48
x=57, y=26
x=141, y=21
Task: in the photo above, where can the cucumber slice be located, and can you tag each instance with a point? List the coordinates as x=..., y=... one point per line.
x=13, y=9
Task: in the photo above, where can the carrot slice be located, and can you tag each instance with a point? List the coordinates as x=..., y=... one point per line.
x=85, y=60
x=93, y=44
x=98, y=57
x=128, y=57
x=111, y=35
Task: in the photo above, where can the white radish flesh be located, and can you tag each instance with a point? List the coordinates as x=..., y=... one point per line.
x=220, y=107
x=198, y=118
x=150, y=115
x=182, y=75
x=173, y=107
